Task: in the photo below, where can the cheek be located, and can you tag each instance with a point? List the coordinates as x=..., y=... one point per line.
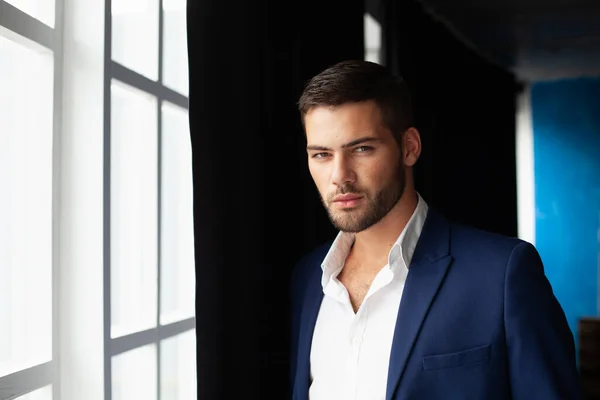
x=376, y=175
x=319, y=176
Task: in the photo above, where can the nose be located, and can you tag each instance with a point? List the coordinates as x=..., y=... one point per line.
x=343, y=172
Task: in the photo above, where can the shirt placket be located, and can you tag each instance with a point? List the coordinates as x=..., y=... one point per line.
x=355, y=341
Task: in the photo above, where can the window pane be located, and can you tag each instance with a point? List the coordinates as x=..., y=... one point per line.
x=135, y=35
x=134, y=213
x=42, y=10
x=177, y=256
x=26, y=107
x=372, y=38
x=44, y=393
x=178, y=367
x=372, y=55
x=175, y=58
x=134, y=374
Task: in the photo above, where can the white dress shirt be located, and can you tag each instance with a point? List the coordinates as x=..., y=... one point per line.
x=350, y=352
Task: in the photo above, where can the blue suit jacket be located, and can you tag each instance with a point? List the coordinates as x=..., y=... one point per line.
x=477, y=320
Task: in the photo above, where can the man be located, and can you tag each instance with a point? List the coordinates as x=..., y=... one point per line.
x=404, y=304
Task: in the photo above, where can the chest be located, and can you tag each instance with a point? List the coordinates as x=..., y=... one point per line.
x=350, y=351
x=357, y=288
x=358, y=280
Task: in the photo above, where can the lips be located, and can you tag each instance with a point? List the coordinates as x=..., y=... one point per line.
x=346, y=197
x=347, y=201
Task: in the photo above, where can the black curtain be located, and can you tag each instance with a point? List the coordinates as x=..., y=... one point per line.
x=256, y=210
x=465, y=110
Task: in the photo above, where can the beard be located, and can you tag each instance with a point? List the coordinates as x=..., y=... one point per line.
x=361, y=217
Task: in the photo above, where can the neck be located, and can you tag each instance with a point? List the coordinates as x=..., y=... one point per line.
x=377, y=241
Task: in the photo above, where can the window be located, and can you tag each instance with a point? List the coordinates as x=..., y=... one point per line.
x=38, y=394
x=97, y=296
x=372, y=39
x=525, y=168
x=151, y=348
x=41, y=10
x=28, y=106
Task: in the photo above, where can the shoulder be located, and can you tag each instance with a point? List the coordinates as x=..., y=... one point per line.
x=473, y=243
x=305, y=269
x=310, y=261
x=492, y=260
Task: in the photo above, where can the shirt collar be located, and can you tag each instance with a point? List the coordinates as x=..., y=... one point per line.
x=400, y=254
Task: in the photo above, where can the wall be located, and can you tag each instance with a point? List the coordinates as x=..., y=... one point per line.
x=565, y=117
x=464, y=109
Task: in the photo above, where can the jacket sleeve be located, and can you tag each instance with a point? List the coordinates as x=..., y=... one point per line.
x=293, y=327
x=297, y=285
x=541, y=350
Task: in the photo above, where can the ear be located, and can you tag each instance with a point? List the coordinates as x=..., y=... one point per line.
x=411, y=146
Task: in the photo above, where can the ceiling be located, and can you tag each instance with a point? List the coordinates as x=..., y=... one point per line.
x=536, y=39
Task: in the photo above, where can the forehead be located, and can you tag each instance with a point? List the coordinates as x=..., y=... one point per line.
x=333, y=126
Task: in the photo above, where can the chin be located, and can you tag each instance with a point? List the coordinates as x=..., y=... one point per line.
x=353, y=225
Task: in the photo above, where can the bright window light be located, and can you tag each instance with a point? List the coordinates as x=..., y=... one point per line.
x=372, y=38
x=44, y=393
x=135, y=35
x=134, y=210
x=525, y=170
x=178, y=367
x=175, y=58
x=177, y=255
x=134, y=374
x=26, y=127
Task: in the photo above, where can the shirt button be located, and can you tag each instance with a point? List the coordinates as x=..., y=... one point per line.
x=356, y=341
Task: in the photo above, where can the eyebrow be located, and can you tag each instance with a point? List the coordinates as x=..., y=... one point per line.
x=344, y=146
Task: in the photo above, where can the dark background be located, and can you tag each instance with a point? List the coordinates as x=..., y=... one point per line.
x=256, y=208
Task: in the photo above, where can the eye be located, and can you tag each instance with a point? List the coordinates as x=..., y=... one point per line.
x=320, y=155
x=363, y=149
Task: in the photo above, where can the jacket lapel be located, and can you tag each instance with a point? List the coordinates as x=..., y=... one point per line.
x=310, y=311
x=426, y=273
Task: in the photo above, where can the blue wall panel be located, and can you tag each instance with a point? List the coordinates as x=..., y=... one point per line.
x=566, y=137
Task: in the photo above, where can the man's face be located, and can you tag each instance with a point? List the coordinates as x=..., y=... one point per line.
x=355, y=163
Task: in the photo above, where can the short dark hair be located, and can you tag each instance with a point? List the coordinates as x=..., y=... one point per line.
x=356, y=81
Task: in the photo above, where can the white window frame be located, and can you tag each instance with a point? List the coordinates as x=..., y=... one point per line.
x=82, y=348
x=15, y=21
x=116, y=71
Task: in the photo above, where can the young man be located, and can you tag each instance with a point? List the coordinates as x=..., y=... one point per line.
x=405, y=304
